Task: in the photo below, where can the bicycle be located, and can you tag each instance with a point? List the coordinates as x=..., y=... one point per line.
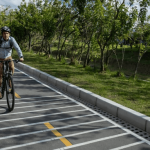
x=8, y=85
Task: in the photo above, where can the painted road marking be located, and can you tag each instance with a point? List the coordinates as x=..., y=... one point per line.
x=96, y=113
x=40, y=82
x=41, y=131
x=32, y=124
x=92, y=141
x=16, y=95
x=35, y=97
x=39, y=110
x=50, y=100
x=41, y=104
x=119, y=126
x=45, y=104
x=70, y=135
x=129, y=145
x=64, y=140
x=42, y=115
x=39, y=97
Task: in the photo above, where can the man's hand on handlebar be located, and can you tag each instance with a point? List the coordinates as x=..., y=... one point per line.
x=21, y=59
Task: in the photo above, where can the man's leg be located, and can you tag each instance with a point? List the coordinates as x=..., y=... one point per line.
x=11, y=67
x=1, y=74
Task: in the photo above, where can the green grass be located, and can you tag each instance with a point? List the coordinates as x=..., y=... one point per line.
x=127, y=92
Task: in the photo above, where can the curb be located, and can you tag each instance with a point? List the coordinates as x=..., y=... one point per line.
x=137, y=119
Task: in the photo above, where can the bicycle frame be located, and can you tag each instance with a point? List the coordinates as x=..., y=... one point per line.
x=6, y=74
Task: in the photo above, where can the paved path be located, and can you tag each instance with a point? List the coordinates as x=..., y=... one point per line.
x=44, y=118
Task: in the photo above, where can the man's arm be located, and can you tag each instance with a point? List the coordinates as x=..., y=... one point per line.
x=17, y=48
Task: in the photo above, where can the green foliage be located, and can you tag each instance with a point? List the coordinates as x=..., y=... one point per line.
x=80, y=5
x=88, y=68
x=82, y=29
x=63, y=61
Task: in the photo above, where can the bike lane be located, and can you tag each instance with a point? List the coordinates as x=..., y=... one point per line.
x=44, y=118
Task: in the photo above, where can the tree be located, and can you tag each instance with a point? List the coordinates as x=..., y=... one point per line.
x=111, y=22
x=48, y=25
x=142, y=31
x=28, y=16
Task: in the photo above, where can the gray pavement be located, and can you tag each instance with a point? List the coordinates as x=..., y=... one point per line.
x=44, y=118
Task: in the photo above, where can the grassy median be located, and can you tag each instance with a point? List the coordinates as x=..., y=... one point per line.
x=125, y=91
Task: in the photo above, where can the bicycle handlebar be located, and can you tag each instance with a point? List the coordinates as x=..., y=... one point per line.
x=16, y=61
x=3, y=61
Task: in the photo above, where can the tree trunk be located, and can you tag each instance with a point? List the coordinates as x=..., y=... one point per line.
x=131, y=45
x=107, y=57
x=87, y=56
x=30, y=42
x=59, y=53
x=102, y=60
x=80, y=56
x=88, y=60
x=49, y=51
x=61, y=49
x=64, y=42
x=135, y=72
x=119, y=66
x=139, y=58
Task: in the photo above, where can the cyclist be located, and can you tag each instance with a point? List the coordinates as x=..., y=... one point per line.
x=6, y=44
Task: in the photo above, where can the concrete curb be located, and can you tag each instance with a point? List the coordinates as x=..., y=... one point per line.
x=137, y=119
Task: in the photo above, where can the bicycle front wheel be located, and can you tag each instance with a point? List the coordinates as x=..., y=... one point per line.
x=2, y=88
x=10, y=93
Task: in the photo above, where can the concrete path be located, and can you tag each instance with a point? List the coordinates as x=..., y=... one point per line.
x=44, y=118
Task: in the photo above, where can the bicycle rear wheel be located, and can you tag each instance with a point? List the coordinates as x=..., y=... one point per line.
x=10, y=93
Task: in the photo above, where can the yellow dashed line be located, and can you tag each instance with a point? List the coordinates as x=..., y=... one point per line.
x=16, y=95
x=64, y=140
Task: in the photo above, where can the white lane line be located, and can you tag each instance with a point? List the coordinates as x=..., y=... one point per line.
x=127, y=130
x=37, y=101
x=43, y=105
x=40, y=82
x=129, y=145
x=70, y=135
x=41, y=115
x=39, y=110
x=33, y=97
x=37, y=123
x=47, y=130
x=21, y=79
x=117, y=125
x=93, y=141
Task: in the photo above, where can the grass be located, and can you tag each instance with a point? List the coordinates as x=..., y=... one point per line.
x=127, y=92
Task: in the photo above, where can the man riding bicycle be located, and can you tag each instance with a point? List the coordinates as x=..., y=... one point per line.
x=6, y=44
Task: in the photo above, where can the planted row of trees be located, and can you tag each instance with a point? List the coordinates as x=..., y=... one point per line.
x=95, y=28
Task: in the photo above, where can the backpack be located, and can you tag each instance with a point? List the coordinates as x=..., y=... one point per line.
x=11, y=42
